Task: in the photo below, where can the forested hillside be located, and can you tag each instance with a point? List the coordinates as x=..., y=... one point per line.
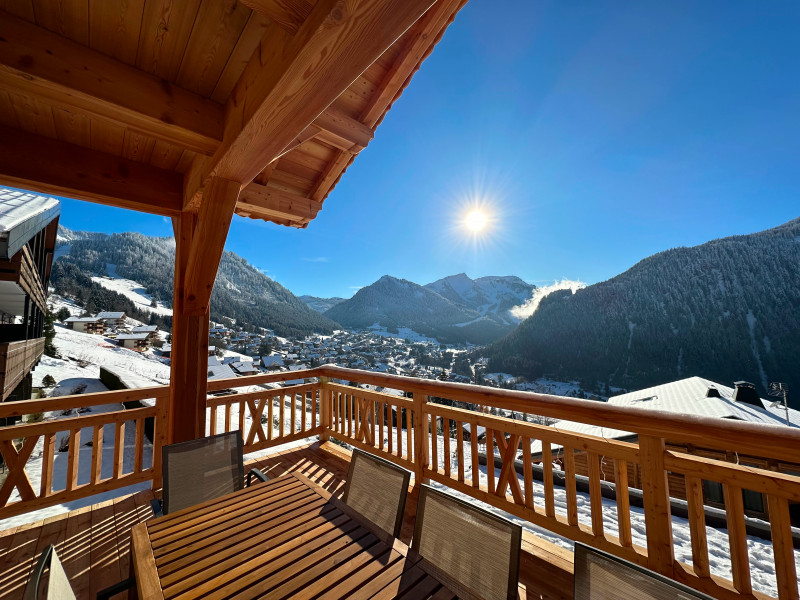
x=726, y=310
x=395, y=303
x=241, y=291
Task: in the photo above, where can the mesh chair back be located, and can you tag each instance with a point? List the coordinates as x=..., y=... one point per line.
x=377, y=489
x=599, y=576
x=199, y=470
x=474, y=547
x=57, y=584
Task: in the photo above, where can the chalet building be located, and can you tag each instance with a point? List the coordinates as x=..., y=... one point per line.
x=244, y=368
x=698, y=397
x=149, y=330
x=94, y=325
x=28, y=226
x=112, y=319
x=272, y=363
x=134, y=341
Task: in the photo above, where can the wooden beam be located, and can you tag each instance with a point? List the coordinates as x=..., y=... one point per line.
x=342, y=131
x=272, y=202
x=213, y=223
x=290, y=81
x=37, y=62
x=287, y=14
x=48, y=166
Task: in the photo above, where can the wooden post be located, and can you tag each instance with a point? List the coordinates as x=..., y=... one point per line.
x=324, y=410
x=655, y=489
x=421, y=434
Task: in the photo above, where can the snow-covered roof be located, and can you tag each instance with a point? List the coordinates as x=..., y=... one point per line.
x=110, y=315
x=82, y=320
x=145, y=329
x=132, y=336
x=269, y=361
x=220, y=372
x=685, y=397
x=22, y=216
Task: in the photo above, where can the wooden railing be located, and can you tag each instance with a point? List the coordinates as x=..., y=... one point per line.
x=80, y=455
x=433, y=430
x=430, y=439
x=17, y=359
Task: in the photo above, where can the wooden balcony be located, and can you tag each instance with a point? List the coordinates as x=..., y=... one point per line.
x=425, y=435
x=17, y=359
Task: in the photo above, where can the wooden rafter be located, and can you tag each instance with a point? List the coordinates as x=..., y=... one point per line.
x=64, y=73
x=287, y=14
x=48, y=166
x=277, y=204
x=282, y=92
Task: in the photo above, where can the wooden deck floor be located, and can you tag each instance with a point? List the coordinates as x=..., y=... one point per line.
x=93, y=542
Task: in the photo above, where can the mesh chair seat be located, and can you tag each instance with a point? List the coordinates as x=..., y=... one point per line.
x=377, y=489
x=603, y=576
x=203, y=469
x=477, y=549
x=55, y=585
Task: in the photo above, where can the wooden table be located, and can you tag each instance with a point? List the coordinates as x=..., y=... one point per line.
x=287, y=538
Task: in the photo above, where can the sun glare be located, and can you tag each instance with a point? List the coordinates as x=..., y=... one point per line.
x=476, y=220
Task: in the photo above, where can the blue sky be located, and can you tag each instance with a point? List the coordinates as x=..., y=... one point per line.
x=593, y=133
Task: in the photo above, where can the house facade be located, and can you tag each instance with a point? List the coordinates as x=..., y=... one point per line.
x=28, y=227
x=93, y=325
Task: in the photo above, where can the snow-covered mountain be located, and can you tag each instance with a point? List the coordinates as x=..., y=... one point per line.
x=726, y=310
x=490, y=294
x=115, y=272
x=394, y=303
x=320, y=304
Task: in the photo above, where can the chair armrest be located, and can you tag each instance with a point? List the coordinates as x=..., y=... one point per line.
x=254, y=473
x=155, y=504
x=115, y=589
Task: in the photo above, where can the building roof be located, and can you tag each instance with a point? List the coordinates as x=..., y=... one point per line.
x=132, y=336
x=82, y=320
x=220, y=372
x=22, y=216
x=685, y=397
x=110, y=315
x=145, y=328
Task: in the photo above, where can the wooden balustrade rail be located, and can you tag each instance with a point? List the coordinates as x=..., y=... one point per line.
x=456, y=447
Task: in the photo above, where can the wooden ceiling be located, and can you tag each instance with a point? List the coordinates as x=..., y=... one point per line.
x=140, y=103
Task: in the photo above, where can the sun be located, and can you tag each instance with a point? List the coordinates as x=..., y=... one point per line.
x=476, y=220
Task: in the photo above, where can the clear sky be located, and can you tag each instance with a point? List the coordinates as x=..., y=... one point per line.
x=594, y=133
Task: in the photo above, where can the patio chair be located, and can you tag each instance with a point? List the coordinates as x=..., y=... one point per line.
x=377, y=489
x=476, y=550
x=600, y=575
x=56, y=585
x=199, y=470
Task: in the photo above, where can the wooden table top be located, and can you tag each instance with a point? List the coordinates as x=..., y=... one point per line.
x=286, y=538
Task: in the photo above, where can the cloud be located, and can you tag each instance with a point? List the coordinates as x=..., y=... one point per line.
x=356, y=287
x=316, y=259
x=523, y=311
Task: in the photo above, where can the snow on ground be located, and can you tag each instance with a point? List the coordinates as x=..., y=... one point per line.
x=404, y=333
x=133, y=291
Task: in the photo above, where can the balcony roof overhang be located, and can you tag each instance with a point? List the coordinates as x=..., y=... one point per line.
x=141, y=109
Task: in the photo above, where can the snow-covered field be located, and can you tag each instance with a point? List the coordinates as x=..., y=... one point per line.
x=131, y=290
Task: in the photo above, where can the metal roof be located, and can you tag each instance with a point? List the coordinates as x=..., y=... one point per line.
x=22, y=216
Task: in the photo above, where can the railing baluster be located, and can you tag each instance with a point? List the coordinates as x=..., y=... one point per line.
x=547, y=475
x=595, y=494
x=227, y=416
x=119, y=448
x=434, y=442
x=460, y=444
x=315, y=406
x=655, y=492
x=293, y=412
x=527, y=469
x=97, y=453
x=72, y=458
x=623, y=502
x=389, y=429
x=48, y=454
x=697, y=525
x=382, y=418
x=569, y=486
x=399, y=429
x=241, y=417
x=474, y=454
x=282, y=414
x=139, y=447
x=213, y=421
x=737, y=537
x=446, y=437
x=782, y=548
x=409, y=444
x=490, y=460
